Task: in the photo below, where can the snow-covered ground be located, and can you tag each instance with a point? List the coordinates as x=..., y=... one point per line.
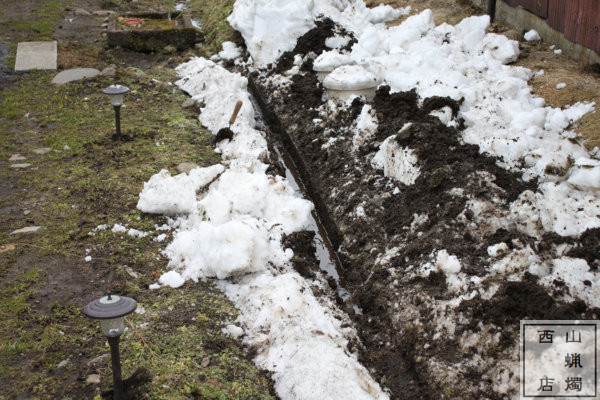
x=229, y=219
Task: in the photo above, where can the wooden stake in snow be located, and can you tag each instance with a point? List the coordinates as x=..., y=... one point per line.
x=236, y=110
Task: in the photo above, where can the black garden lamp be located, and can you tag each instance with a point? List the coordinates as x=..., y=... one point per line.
x=116, y=93
x=111, y=310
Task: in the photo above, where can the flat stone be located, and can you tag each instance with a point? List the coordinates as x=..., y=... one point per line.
x=186, y=167
x=76, y=74
x=20, y=165
x=36, y=55
x=26, y=212
x=29, y=229
x=81, y=11
x=94, y=379
x=17, y=157
x=188, y=103
x=42, y=150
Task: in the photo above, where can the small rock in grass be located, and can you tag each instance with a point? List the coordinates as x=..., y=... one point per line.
x=170, y=49
x=188, y=103
x=131, y=272
x=561, y=86
x=186, y=167
x=81, y=11
x=109, y=71
x=103, y=13
x=42, y=150
x=94, y=379
x=205, y=362
x=63, y=363
x=98, y=360
x=29, y=229
x=17, y=157
x=26, y=212
x=20, y=165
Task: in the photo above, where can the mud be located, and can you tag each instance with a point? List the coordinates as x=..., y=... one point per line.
x=410, y=334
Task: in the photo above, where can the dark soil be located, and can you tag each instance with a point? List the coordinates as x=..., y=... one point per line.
x=451, y=173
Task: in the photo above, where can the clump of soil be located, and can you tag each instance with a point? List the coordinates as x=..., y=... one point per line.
x=313, y=40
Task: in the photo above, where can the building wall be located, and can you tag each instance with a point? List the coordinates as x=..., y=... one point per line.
x=573, y=25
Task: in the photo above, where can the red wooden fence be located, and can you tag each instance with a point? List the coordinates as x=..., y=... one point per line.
x=579, y=20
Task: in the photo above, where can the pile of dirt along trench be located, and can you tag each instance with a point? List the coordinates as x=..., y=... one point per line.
x=412, y=326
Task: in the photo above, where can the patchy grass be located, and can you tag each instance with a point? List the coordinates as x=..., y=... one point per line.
x=214, y=15
x=87, y=179
x=39, y=25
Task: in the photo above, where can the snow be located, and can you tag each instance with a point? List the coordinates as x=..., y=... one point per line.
x=172, y=195
x=172, y=279
x=397, y=162
x=532, y=35
x=231, y=218
x=230, y=51
x=365, y=127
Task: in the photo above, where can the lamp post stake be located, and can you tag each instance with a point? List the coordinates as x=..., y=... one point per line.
x=116, y=367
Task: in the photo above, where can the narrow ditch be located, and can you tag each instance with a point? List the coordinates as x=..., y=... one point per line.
x=326, y=255
x=327, y=239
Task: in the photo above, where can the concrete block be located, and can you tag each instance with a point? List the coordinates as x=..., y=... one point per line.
x=36, y=55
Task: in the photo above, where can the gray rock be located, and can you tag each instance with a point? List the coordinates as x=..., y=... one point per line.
x=170, y=49
x=103, y=13
x=188, y=103
x=20, y=165
x=36, y=55
x=186, y=167
x=109, y=71
x=29, y=229
x=93, y=379
x=81, y=11
x=62, y=364
x=26, y=212
x=42, y=150
x=66, y=147
x=76, y=74
x=17, y=157
x=98, y=360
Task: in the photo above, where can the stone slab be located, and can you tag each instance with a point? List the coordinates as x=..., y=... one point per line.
x=36, y=55
x=76, y=74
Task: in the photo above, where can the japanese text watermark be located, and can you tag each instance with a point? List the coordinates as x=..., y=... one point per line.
x=559, y=359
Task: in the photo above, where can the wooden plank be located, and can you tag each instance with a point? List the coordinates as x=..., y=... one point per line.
x=538, y=7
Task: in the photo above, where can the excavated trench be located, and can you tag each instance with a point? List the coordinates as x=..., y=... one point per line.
x=411, y=326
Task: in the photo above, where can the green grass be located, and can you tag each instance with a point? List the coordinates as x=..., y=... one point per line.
x=213, y=14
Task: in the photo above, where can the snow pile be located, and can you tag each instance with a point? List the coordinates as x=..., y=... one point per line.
x=231, y=220
x=532, y=35
x=230, y=51
x=271, y=27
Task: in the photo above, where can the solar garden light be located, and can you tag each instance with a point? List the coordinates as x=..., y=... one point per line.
x=116, y=93
x=111, y=310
